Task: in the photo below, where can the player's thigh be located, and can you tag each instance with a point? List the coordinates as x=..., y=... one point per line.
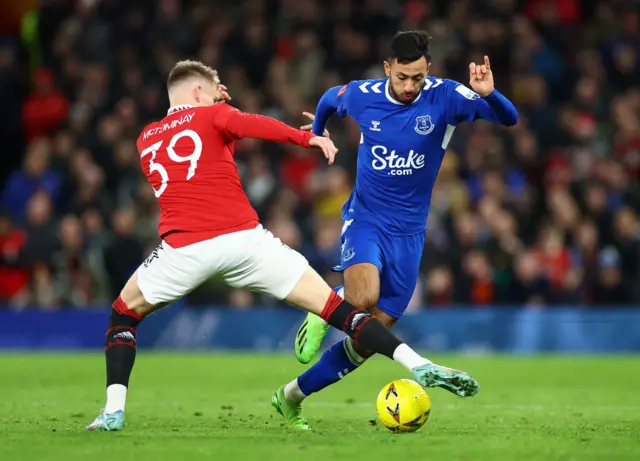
x=134, y=299
x=310, y=293
x=362, y=285
x=170, y=273
x=266, y=265
x=361, y=261
x=399, y=276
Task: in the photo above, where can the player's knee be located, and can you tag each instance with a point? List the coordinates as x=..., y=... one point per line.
x=133, y=298
x=361, y=298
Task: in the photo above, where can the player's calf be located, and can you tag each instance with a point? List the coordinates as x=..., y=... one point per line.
x=386, y=320
x=314, y=295
x=120, y=342
x=120, y=353
x=120, y=348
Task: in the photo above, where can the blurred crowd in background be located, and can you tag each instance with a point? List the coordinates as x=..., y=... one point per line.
x=545, y=213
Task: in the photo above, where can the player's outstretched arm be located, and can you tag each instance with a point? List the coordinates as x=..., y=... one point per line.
x=242, y=125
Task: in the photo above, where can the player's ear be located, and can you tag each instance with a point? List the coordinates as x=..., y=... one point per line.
x=196, y=93
x=428, y=67
x=387, y=68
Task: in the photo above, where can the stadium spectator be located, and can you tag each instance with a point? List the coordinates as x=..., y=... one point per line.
x=73, y=280
x=124, y=253
x=544, y=213
x=34, y=176
x=40, y=227
x=46, y=108
x=14, y=276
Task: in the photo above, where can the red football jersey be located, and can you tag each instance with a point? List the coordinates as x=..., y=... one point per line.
x=188, y=159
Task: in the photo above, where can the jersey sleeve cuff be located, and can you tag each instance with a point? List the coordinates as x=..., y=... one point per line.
x=306, y=137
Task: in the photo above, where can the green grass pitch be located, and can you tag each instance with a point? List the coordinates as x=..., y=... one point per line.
x=216, y=407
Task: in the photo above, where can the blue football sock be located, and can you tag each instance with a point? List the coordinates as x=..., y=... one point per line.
x=336, y=362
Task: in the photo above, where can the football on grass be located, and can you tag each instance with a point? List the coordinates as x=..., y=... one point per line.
x=403, y=406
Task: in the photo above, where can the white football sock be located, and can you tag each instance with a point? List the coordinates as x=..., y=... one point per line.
x=292, y=392
x=116, y=398
x=409, y=358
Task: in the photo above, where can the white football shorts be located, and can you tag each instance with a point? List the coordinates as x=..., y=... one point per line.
x=252, y=259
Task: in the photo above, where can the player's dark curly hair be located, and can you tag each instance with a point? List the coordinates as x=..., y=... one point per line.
x=409, y=46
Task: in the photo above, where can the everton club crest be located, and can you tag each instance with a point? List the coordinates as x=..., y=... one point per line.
x=424, y=125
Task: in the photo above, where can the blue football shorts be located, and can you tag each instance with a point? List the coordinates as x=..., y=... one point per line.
x=397, y=257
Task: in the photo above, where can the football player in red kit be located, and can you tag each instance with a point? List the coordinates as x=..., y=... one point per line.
x=209, y=229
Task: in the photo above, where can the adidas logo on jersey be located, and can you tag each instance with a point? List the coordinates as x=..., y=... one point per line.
x=396, y=165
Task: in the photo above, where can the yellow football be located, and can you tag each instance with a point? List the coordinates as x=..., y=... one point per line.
x=403, y=405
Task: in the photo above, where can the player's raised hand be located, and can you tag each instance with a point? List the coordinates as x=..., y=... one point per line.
x=481, y=78
x=328, y=148
x=223, y=94
x=309, y=127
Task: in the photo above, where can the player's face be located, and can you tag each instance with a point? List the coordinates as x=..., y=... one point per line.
x=206, y=93
x=406, y=80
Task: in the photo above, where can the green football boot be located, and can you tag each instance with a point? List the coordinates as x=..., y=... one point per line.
x=309, y=338
x=291, y=411
x=456, y=381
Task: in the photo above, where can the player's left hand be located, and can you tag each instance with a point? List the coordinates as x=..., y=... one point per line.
x=309, y=127
x=328, y=148
x=223, y=94
x=481, y=78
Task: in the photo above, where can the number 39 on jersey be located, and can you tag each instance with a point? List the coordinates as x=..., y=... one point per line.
x=155, y=165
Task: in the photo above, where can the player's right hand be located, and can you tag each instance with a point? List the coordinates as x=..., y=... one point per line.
x=328, y=148
x=309, y=127
x=223, y=94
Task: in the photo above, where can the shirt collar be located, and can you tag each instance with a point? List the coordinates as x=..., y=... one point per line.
x=388, y=95
x=175, y=109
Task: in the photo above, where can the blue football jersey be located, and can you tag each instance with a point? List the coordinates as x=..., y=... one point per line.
x=401, y=146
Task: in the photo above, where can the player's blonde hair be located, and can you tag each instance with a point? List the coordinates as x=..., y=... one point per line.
x=186, y=69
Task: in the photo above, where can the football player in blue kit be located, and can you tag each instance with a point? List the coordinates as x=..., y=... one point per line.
x=406, y=121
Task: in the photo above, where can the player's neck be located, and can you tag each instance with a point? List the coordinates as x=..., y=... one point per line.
x=182, y=102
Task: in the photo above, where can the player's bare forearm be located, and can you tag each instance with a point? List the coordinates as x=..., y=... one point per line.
x=242, y=125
